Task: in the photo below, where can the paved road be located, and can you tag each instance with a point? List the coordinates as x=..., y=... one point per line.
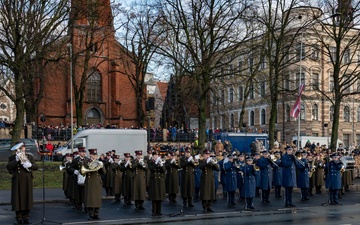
x=57, y=209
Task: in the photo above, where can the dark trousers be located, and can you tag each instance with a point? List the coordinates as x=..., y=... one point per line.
x=304, y=194
x=249, y=203
x=288, y=195
x=117, y=197
x=139, y=203
x=156, y=207
x=172, y=197
x=93, y=213
x=318, y=189
x=231, y=197
x=333, y=196
x=22, y=215
x=197, y=191
x=187, y=201
x=206, y=204
x=127, y=200
x=265, y=195
x=277, y=191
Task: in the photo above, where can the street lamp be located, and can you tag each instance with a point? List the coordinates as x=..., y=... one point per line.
x=69, y=45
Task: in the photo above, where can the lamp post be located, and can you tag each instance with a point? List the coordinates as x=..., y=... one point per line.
x=69, y=45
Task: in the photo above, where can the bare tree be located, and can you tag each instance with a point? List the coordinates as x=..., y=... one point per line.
x=339, y=42
x=27, y=30
x=208, y=31
x=278, y=21
x=141, y=36
x=90, y=27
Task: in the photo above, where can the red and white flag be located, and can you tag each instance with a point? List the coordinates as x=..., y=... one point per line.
x=295, y=110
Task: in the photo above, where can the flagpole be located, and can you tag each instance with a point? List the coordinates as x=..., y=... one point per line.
x=300, y=71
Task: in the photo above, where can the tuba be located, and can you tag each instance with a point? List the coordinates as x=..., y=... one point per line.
x=93, y=166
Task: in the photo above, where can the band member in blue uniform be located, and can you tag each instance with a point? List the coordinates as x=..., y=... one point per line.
x=231, y=179
x=277, y=174
x=289, y=175
x=333, y=178
x=303, y=175
x=265, y=164
x=223, y=174
x=248, y=190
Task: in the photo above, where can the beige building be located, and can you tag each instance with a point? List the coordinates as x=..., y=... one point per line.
x=316, y=113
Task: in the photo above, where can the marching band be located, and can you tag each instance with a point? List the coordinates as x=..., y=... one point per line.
x=157, y=175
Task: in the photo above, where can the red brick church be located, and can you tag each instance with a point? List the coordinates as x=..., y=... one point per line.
x=99, y=68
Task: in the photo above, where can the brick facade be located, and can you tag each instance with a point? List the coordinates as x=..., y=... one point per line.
x=113, y=101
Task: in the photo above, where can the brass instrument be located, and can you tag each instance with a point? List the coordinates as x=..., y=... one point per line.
x=22, y=155
x=312, y=168
x=256, y=167
x=63, y=168
x=142, y=163
x=273, y=157
x=93, y=166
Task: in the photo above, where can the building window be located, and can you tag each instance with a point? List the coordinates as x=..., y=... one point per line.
x=332, y=54
x=346, y=139
x=93, y=87
x=241, y=93
x=300, y=51
x=215, y=122
x=302, y=111
x=252, y=118
x=315, y=112
x=223, y=96
x=358, y=85
x=302, y=80
x=231, y=94
x=346, y=57
x=262, y=88
x=331, y=113
x=346, y=114
x=232, y=120
x=251, y=91
x=223, y=122
x=240, y=67
x=287, y=83
x=3, y=106
x=315, y=81
x=331, y=82
x=347, y=79
x=358, y=57
x=315, y=50
x=251, y=64
x=262, y=63
x=287, y=113
x=263, y=116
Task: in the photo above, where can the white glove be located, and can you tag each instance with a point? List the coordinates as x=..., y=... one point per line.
x=76, y=172
x=190, y=159
x=111, y=160
x=197, y=157
x=208, y=160
x=157, y=161
x=27, y=165
x=17, y=158
x=173, y=161
x=127, y=163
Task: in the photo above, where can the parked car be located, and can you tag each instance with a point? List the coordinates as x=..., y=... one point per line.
x=31, y=146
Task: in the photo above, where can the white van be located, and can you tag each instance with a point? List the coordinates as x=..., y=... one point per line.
x=314, y=139
x=104, y=140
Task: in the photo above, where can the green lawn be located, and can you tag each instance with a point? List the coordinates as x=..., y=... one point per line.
x=53, y=176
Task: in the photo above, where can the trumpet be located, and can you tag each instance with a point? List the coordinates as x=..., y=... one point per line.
x=256, y=167
x=142, y=163
x=93, y=166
